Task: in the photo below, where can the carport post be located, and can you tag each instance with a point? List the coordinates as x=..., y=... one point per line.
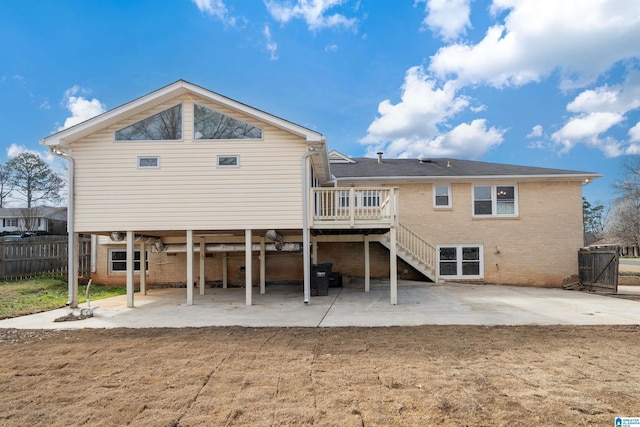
x=130, y=268
x=225, y=273
x=203, y=257
x=367, y=265
x=247, y=265
x=393, y=267
x=189, y=267
x=263, y=260
x=143, y=268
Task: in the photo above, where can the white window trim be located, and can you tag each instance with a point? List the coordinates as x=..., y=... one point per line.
x=137, y=251
x=494, y=201
x=459, y=247
x=157, y=166
x=447, y=206
x=236, y=156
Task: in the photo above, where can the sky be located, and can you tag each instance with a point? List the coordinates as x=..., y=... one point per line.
x=543, y=83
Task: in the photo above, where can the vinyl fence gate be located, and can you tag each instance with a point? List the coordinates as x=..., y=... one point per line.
x=598, y=269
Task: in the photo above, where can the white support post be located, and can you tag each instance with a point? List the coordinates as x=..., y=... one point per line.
x=73, y=266
x=225, y=271
x=247, y=265
x=189, y=267
x=263, y=267
x=393, y=267
x=314, y=250
x=203, y=257
x=367, y=265
x=143, y=269
x=130, y=268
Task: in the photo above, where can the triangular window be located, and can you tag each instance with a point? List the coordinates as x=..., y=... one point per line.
x=166, y=125
x=209, y=124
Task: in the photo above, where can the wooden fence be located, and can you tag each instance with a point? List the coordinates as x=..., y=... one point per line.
x=598, y=269
x=40, y=255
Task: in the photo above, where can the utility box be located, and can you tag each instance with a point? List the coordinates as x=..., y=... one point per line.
x=320, y=274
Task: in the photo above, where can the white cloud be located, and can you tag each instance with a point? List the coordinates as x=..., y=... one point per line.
x=15, y=150
x=313, y=12
x=272, y=46
x=634, y=133
x=597, y=111
x=581, y=38
x=467, y=140
x=331, y=48
x=448, y=18
x=412, y=127
x=536, y=132
x=423, y=106
x=587, y=128
x=218, y=9
x=81, y=108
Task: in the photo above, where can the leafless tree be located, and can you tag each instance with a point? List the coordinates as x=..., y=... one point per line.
x=623, y=221
x=6, y=183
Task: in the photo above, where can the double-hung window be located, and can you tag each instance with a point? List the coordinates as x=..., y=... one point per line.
x=118, y=261
x=460, y=261
x=441, y=196
x=495, y=200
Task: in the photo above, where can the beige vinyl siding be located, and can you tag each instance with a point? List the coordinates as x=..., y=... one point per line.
x=188, y=190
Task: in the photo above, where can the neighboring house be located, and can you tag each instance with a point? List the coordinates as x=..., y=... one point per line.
x=32, y=220
x=190, y=186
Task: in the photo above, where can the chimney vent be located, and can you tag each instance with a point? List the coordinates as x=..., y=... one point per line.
x=379, y=153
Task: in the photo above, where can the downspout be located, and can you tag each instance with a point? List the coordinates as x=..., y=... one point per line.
x=305, y=229
x=71, y=275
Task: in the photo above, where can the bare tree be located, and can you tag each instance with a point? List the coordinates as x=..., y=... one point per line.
x=29, y=221
x=34, y=180
x=6, y=184
x=623, y=221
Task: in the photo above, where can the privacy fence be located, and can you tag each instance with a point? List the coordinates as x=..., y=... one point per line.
x=40, y=255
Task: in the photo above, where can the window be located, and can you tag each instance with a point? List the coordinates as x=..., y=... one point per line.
x=11, y=222
x=118, y=260
x=460, y=261
x=495, y=200
x=370, y=199
x=166, y=125
x=148, y=162
x=441, y=196
x=363, y=199
x=210, y=124
x=228, y=161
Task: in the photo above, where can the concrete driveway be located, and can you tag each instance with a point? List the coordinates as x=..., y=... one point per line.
x=418, y=304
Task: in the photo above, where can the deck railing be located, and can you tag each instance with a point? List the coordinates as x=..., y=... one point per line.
x=354, y=206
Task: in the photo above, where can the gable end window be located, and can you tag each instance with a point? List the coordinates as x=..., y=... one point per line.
x=210, y=124
x=495, y=200
x=148, y=162
x=441, y=196
x=163, y=126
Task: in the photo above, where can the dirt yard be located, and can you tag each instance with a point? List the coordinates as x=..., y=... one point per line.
x=445, y=376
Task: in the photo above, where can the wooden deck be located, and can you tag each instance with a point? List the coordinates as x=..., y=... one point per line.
x=353, y=207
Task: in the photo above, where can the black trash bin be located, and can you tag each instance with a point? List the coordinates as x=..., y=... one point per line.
x=320, y=274
x=335, y=280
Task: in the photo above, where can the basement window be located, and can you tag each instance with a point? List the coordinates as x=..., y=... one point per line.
x=118, y=261
x=460, y=261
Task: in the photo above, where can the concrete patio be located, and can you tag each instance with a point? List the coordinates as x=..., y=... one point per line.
x=419, y=303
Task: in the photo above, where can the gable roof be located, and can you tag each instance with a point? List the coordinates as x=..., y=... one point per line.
x=180, y=87
x=445, y=169
x=60, y=141
x=36, y=212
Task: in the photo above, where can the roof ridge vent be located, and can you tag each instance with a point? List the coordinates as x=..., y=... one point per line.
x=423, y=159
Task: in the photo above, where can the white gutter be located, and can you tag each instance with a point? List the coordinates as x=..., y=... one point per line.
x=71, y=244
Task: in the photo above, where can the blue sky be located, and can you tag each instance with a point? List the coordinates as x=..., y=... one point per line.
x=531, y=82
